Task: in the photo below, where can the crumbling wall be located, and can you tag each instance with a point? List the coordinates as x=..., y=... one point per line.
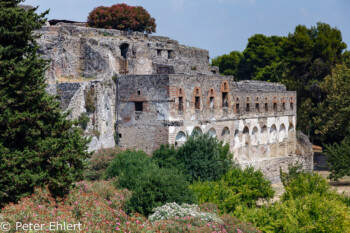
x=82, y=53
x=143, y=111
x=96, y=101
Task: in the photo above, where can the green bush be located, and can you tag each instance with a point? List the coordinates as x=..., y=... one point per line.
x=157, y=187
x=128, y=166
x=151, y=186
x=299, y=183
x=99, y=162
x=237, y=186
x=310, y=213
x=204, y=158
x=339, y=159
x=166, y=157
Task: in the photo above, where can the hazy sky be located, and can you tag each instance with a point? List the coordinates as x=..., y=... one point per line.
x=219, y=26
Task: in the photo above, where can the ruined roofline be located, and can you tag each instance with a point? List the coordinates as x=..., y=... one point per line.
x=73, y=27
x=241, y=86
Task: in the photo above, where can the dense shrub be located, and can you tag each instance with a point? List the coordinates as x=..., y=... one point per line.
x=310, y=213
x=339, y=159
x=238, y=186
x=99, y=162
x=122, y=17
x=128, y=166
x=157, y=187
x=200, y=158
x=299, y=183
x=151, y=186
x=173, y=210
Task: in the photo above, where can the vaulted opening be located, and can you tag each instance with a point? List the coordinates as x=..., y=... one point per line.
x=224, y=99
x=197, y=103
x=124, y=48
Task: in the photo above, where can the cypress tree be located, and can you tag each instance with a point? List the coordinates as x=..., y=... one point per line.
x=38, y=145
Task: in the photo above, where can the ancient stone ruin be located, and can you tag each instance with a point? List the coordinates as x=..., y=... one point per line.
x=141, y=91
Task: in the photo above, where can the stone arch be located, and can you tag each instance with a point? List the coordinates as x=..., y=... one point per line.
x=180, y=138
x=197, y=131
x=255, y=136
x=273, y=134
x=245, y=136
x=282, y=133
x=263, y=135
x=291, y=127
x=225, y=135
x=236, y=139
x=212, y=132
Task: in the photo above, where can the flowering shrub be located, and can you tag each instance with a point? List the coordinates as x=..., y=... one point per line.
x=122, y=17
x=173, y=210
x=99, y=207
x=99, y=162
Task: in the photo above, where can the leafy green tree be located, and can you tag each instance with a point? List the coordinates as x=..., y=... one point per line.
x=261, y=58
x=332, y=115
x=339, y=159
x=228, y=63
x=38, y=145
x=309, y=55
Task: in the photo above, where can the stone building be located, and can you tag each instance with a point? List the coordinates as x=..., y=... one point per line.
x=162, y=91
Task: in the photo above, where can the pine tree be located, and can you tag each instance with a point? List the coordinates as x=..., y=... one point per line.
x=38, y=145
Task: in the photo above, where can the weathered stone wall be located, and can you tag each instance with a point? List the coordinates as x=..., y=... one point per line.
x=146, y=128
x=74, y=97
x=88, y=53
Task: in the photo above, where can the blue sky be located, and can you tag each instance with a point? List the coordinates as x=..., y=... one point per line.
x=219, y=26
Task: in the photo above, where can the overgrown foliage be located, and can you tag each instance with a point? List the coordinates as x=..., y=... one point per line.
x=38, y=146
x=339, y=159
x=122, y=17
x=308, y=205
x=99, y=162
x=151, y=186
x=201, y=157
x=237, y=187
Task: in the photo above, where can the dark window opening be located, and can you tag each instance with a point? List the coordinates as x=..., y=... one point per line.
x=248, y=108
x=213, y=71
x=181, y=104
x=257, y=107
x=211, y=102
x=124, y=50
x=266, y=107
x=120, y=135
x=138, y=106
x=284, y=106
x=291, y=106
x=170, y=54
x=159, y=52
x=138, y=92
x=225, y=99
x=197, y=103
x=275, y=106
x=237, y=108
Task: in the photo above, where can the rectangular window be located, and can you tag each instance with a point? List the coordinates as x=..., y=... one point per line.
x=257, y=107
x=197, y=104
x=266, y=107
x=237, y=108
x=181, y=104
x=170, y=54
x=211, y=102
x=138, y=106
x=224, y=99
x=247, y=108
x=159, y=52
x=274, y=106
x=291, y=106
